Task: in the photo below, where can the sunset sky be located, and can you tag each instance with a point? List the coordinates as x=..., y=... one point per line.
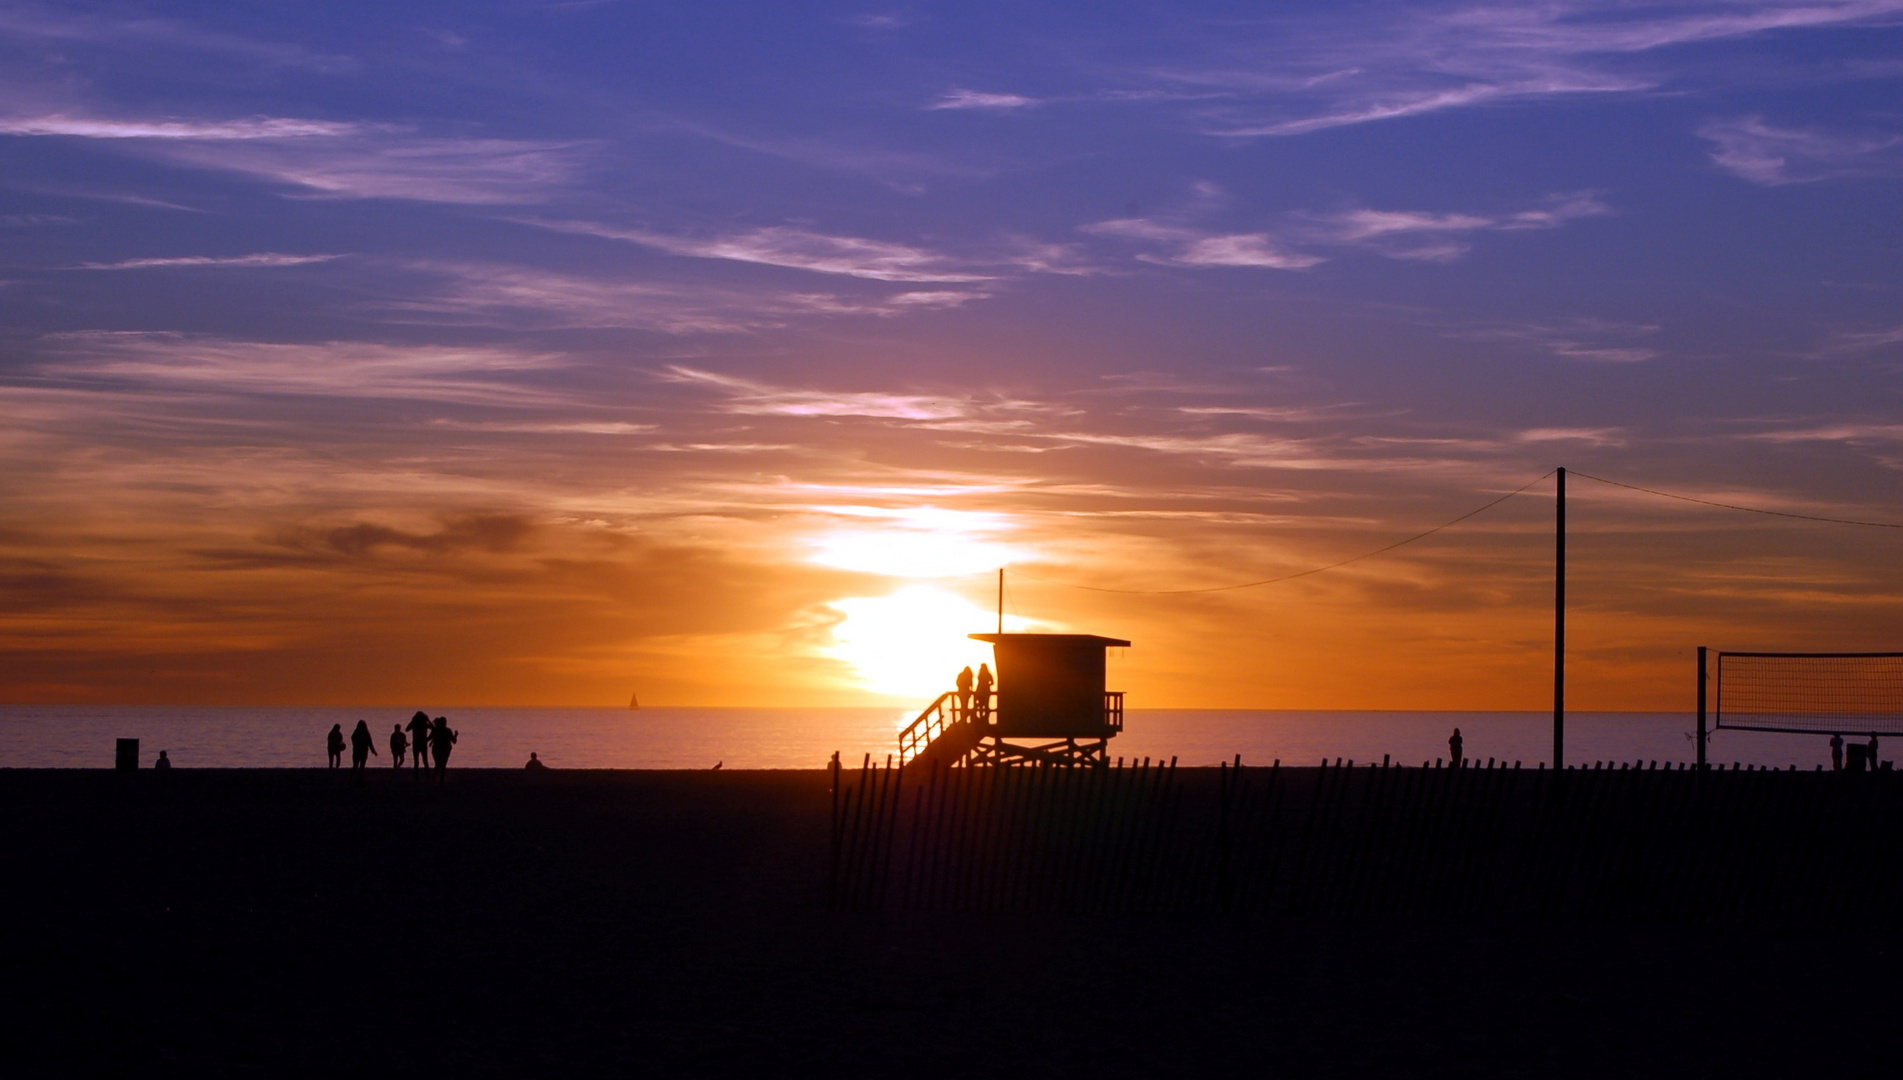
x=534, y=353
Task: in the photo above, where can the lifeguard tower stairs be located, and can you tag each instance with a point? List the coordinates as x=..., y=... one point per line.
x=1049, y=707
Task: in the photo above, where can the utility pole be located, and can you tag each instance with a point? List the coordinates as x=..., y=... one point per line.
x=1000, y=599
x=1559, y=631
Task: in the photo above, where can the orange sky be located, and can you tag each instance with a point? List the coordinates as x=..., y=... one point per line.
x=560, y=559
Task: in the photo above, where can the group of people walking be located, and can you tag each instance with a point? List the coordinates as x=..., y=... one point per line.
x=974, y=699
x=421, y=740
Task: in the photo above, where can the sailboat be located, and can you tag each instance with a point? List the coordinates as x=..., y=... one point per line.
x=634, y=701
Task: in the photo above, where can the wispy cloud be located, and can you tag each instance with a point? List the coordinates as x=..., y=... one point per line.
x=904, y=170
x=1043, y=257
x=384, y=165
x=1439, y=236
x=33, y=221
x=1592, y=340
x=474, y=375
x=1858, y=342
x=334, y=159
x=1294, y=414
x=799, y=249
x=1186, y=246
x=748, y=396
x=1762, y=153
x=894, y=20
x=974, y=99
x=1595, y=436
x=1431, y=236
x=268, y=258
x=128, y=32
x=95, y=127
x=529, y=297
x=1853, y=432
x=1299, y=76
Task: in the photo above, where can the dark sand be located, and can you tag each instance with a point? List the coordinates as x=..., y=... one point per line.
x=672, y=923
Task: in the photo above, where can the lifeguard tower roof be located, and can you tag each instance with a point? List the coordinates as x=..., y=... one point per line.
x=1051, y=686
x=1056, y=641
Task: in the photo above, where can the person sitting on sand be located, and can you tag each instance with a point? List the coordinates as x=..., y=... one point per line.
x=534, y=762
x=418, y=728
x=399, y=742
x=441, y=741
x=362, y=745
x=335, y=744
x=163, y=762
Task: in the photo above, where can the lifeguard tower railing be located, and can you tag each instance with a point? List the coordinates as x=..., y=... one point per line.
x=937, y=718
x=949, y=709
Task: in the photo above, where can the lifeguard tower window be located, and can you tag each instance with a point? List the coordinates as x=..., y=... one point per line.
x=1051, y=686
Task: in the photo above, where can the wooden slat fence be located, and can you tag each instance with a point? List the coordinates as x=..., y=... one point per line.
x=1624, y=841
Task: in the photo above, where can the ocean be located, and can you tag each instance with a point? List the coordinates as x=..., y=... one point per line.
x=82, y=736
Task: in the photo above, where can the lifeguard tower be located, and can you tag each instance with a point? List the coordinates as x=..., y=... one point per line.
x=1049, y=707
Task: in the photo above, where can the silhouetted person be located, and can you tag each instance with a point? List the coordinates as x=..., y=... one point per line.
x=534, y=762
x=441, y=741
x=1455, y=744
x=1872, y=753
x=717, y=766
x=362, y=745
x=334, y=743
x=964, y=692
x=1836, y=753
x=399, y=742
x=163, y=762
x=983, y=695
x=418, y=728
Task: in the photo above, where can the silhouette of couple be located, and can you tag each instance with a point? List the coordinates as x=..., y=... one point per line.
x=975, y=704
x=361, y=747
x=429, y=739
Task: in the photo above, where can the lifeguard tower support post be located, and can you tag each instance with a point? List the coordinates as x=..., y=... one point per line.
x=1050, y=707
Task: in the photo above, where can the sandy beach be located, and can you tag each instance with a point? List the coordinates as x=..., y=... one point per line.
x=585, y=923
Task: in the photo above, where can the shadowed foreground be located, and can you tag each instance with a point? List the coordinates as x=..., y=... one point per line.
x=1758, y=847
x=583, y=923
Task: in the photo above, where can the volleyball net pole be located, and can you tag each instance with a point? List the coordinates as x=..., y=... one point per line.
x=1559, y=630
x=1703, y=678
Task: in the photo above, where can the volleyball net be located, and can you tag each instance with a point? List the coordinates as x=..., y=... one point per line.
x=1811, y=693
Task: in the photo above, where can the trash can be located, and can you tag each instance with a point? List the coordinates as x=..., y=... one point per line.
x=126, y=757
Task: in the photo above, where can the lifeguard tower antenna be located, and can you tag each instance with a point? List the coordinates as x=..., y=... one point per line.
x=1049, y=707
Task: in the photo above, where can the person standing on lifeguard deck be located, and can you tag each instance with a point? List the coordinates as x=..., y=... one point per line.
x=962, y=706
x=982, y=699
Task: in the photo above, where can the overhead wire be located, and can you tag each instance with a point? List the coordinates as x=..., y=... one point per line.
x=1422, y=535
x=1301, y=573
x=1734, y=506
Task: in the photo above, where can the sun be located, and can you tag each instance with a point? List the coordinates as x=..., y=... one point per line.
x=910, y=643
